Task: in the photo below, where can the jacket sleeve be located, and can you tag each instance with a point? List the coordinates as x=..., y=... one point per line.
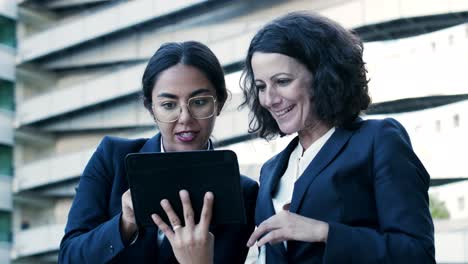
x=91, y=235
x=406, y=232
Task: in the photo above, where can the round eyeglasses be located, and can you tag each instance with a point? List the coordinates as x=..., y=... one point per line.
x=199, y=107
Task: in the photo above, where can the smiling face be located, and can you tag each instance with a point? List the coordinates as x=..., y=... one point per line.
x=177, y=85
x=283, y=85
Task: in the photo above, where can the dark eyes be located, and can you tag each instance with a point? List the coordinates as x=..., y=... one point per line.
x=200, y=102
x=168, y=105
x=260, y=87
x=283, y=81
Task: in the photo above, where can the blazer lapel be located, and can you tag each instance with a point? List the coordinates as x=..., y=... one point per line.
x=271, y=178
x=270, y=181
x=320, y=162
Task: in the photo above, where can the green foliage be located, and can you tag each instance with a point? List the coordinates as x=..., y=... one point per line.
x=438, y=209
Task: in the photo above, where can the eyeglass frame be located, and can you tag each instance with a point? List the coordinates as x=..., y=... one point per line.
x=188, y=109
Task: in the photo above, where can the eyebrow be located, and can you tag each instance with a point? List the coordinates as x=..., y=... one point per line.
x=276, y=75
x=192, y=94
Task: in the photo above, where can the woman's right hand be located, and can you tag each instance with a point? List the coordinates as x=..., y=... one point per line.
x=192, y=243
x=128, y=226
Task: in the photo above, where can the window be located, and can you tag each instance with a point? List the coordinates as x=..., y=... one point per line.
x=456, y=120
x=461, y=203
x=5, y=226
x=7, y=98
x=438, y=125
x=6, y=160
x=7, y=32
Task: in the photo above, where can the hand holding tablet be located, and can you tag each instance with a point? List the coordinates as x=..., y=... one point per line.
x=153, y=177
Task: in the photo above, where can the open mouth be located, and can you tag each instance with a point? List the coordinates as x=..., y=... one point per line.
x=186, y=136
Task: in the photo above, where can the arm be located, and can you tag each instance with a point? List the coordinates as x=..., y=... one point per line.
x=406, y=229
x=91, y=236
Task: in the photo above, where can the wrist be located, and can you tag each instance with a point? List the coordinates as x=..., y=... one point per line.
x=324, y=232
x=128, y=230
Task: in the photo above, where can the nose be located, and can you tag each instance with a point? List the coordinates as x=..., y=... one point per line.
x=185, y=115
x=271, y=97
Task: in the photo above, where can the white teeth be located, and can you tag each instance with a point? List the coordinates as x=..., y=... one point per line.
x=284, y=111
x=186, y=134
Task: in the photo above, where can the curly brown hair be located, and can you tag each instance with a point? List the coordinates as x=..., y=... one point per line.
x=330, y=52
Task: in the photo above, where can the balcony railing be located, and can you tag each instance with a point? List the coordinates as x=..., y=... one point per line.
x=96, y=25
x=114, y=85
x=58, y=168
x=37, y=240
x=51, y=170
x=5, y=248
x=7, y=63
x=8, y=8
x=5, y=193
x=6, y=127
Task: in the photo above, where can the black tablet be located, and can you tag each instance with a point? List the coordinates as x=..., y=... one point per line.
x=156, y=176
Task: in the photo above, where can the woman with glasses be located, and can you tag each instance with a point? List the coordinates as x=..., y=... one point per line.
x=184, y=91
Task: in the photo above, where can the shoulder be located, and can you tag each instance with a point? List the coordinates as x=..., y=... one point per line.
x=387, y=129
x=379, y=124
x=112, y=151
x=379, y=129
x=116, y=146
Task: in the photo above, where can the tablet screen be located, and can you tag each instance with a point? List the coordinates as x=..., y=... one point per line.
x=156, y=176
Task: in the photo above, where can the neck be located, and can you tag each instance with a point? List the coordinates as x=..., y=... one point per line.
x=311, y=133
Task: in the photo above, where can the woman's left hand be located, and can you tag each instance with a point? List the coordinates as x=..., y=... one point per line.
x=192, y=243
x=289, y=226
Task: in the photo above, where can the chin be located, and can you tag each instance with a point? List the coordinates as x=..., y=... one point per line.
x=288, y=130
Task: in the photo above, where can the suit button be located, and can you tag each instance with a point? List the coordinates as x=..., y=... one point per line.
x=111, y=249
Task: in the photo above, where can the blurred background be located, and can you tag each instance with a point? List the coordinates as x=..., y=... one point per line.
x=70, y=73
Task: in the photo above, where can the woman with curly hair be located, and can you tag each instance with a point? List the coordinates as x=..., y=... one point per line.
x=345, y=190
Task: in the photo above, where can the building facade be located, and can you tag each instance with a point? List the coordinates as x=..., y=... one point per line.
x=7, y=107
x=79, y=65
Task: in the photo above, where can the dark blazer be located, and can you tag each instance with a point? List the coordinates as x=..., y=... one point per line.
x=92, y=233
x=368, y=184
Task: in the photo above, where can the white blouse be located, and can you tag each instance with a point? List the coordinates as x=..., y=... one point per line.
x=298, y=162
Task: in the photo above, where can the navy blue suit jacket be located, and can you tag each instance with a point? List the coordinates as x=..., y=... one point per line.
x=368, y=184
x=92, y=234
